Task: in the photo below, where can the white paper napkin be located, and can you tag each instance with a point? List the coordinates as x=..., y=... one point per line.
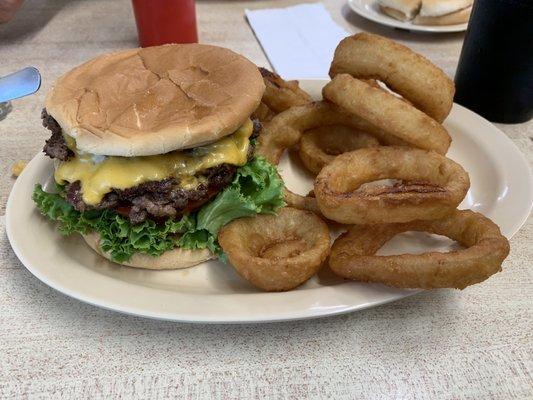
x=299, y=41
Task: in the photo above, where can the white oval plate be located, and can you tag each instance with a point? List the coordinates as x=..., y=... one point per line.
x=213, y=292
x=369, y=9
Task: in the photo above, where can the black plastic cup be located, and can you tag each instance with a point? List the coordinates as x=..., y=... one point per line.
x=495, y=73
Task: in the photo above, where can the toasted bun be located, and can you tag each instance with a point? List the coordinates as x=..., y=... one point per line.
x=154, y=100
x=404, y=10
x=172, y=259
x=458, y=17
x=439, y=8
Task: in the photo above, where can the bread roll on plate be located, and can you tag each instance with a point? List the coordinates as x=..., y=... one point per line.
x=443, y=12
x=403, y=10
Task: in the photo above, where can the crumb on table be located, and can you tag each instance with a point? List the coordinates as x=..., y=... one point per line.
x=17, y=167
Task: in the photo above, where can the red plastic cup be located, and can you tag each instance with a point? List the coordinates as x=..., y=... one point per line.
x=165, y=21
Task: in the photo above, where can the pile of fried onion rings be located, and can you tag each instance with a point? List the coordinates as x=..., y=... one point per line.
x=379, y=120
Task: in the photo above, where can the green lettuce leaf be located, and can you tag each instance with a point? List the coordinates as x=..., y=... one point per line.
x=256, y=188
x=118, y=236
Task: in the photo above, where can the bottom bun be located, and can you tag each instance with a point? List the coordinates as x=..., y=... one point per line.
x=172, y=259
x=458, y=17
x=392, y=12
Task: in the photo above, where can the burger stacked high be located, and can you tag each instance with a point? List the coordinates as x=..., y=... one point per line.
x=154, y=151
x=156, y=166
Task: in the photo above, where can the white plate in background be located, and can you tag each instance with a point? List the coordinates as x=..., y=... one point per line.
x=501, y=188
x=369, y=9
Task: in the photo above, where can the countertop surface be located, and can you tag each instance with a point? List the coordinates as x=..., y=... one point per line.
x=445, y=344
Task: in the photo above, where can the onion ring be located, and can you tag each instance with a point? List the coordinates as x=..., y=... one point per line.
x=440, y=185
x=368, y=56
x=353, y=253
x=263, y=113
x=276, y=252
x=286, y=128
x=301, y=202
x=279, y=96
x=319, y=146
x=388, y=113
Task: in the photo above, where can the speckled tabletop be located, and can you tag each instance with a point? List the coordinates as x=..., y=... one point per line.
x=471, y=344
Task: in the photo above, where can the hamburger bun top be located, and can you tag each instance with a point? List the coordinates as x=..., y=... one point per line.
x=154, y=100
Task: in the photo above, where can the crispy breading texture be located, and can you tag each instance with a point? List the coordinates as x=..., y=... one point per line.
x=368, y=56
x=441, y=184
x=277, y=252
x=353, y=253
x=319, y=146
x=390, y=114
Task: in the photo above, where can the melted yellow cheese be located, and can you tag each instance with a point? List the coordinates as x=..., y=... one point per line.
x=71, y=142
x=99, y=178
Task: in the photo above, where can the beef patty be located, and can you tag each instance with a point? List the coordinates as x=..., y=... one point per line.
x=157, y=200
x=55, y=147
x=154, y=200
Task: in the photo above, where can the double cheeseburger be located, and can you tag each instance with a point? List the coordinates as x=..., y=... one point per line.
x=153, y=152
